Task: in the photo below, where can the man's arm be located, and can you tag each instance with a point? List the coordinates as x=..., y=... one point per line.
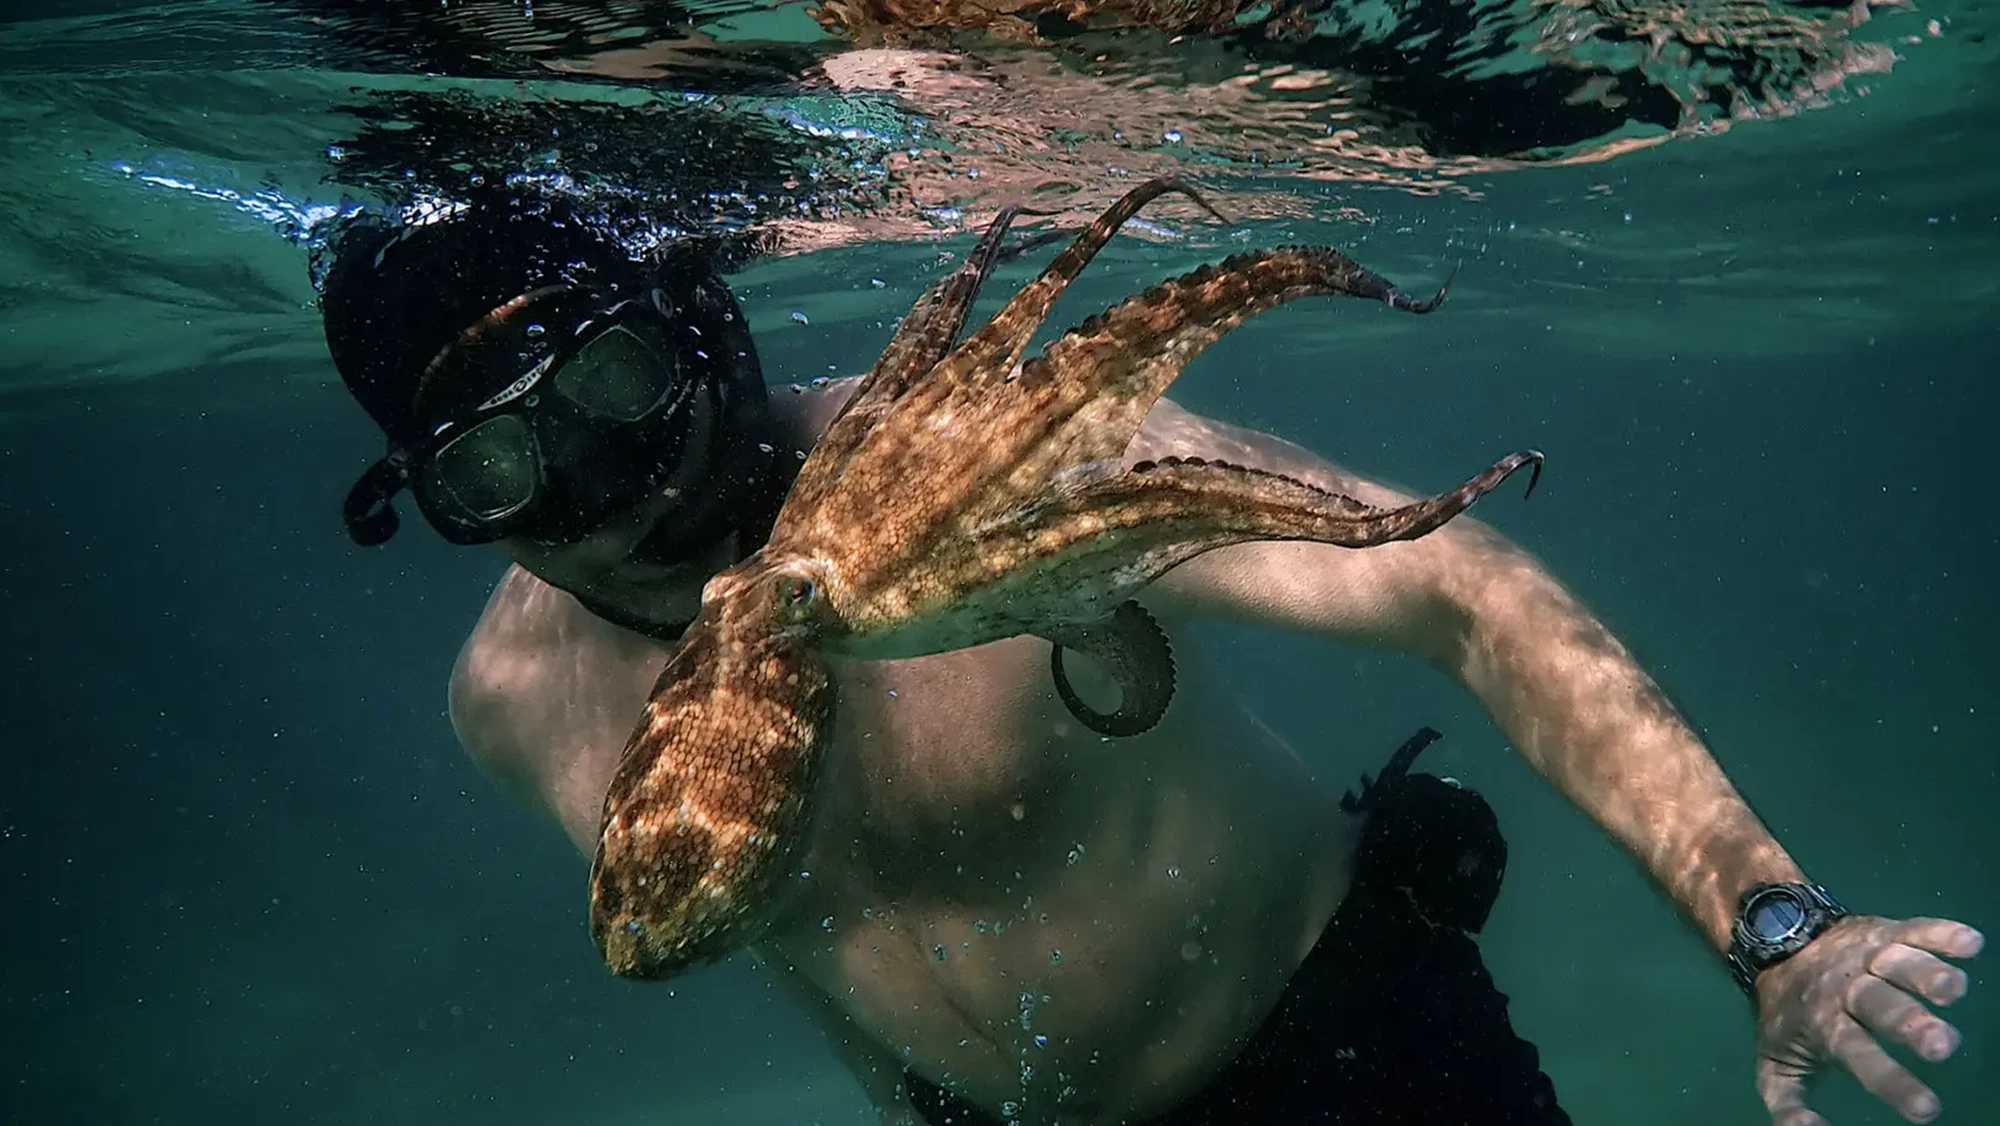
x=543, y=697
x=1583, y=713
x=1560, y=686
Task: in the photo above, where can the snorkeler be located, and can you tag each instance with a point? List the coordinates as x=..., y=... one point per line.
x=1009, y=919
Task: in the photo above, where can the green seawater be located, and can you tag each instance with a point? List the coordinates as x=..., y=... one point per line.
x=246, y=876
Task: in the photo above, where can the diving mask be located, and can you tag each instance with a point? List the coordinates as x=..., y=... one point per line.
x=593, y=408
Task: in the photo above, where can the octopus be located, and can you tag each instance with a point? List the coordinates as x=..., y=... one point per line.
x=962, y=495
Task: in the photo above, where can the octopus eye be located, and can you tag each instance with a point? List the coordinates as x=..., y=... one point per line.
x=796, y=596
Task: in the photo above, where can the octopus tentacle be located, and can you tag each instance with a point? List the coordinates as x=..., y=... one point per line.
x=928, y=333
x=1035, y=240
x=1083, y=398
x=920, y=341
x=1130, y=529
x=1235, y=503
x=1158, y=515
x=928, y=442
x=1136, y=651
x=1102, y=377
x=992, y=352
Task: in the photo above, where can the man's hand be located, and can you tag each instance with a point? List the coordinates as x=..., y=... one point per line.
x=1864, y=978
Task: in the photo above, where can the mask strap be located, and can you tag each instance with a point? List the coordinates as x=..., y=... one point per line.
x=478, y=331
x=369, y=516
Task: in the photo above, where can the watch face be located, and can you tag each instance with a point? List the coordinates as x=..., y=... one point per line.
x=1775, y=916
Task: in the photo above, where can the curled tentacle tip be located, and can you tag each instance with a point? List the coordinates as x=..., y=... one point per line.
x=1534, y=458
x=1431, y=303
x=1178, y=184
x=1022, y=244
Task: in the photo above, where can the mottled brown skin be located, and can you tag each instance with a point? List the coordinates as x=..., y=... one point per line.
x=739, y=714
x=961, y=497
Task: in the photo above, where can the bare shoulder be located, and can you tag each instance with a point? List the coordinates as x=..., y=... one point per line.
x=544, y=693
x=502, y=669
x=506, y=651
x=1172, y=430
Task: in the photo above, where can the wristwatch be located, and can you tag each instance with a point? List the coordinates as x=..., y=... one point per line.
x=1774, y=922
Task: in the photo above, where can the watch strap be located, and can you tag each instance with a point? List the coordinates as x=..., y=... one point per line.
x=1749, y=956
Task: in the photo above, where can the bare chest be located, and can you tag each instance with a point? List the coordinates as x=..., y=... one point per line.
x=1015, y=906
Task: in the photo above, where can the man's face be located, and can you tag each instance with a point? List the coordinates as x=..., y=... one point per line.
x=616, y=563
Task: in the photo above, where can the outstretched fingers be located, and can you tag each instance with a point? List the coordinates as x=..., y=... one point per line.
x=1942, y=936
x=1920, y=972
x=1857, y=1050
x=1873, y=986
x=1783, y=1090
x=1893, y=1011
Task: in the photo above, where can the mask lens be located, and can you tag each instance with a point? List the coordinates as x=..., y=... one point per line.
x=488, y=472
x=618, y=375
